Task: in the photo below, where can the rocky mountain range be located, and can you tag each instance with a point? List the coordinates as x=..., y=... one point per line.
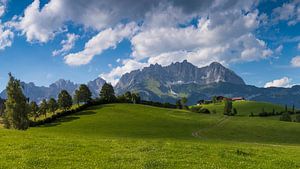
x=38, y=93
x=169, y=83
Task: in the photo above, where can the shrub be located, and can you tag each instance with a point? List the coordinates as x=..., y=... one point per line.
x=200, y=110
x=298, y=118
x=285, y=117
x=205, y=111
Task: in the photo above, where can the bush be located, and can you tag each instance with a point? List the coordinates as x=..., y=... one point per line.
x=200, y=110
x=195, y=109
x=298, y=118
x=158, y=104
x=205, y=111
x=285, y=117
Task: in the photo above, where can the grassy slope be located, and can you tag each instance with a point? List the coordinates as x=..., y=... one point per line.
x=246, y=107
x=136, y=136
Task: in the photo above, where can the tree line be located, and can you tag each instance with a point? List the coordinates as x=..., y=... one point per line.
x=17, y=112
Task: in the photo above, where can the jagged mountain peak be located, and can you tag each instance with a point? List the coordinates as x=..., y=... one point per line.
x=179, y=72
x=38, y=93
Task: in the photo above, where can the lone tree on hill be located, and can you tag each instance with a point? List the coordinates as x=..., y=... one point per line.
x=227, y=107
x=64, y=100
x=183, y=102
x=16, y=107
x=82, y=94
x=52, y=105
x=34, y=109
x=107, y=93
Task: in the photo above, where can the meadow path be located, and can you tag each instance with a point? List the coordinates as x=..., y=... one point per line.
x=217, y=124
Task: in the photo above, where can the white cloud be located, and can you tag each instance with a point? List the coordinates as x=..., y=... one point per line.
x=6, y=37
x=2, y=7
x=222, y=37
x=128, y=66
x=106, y=39
x=2, y=10
x=283, y=82
x=288, y=12
x=42, y=23
x=295, y=62
x=278, y=50
x=67, y=44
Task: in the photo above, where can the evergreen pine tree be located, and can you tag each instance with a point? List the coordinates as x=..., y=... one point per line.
x=16, y=107
x=34, y=109
x=52, y=105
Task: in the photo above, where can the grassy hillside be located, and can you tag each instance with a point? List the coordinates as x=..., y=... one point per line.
x=137, y=136
x=245, y=107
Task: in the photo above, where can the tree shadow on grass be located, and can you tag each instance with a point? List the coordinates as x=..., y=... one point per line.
x=75, y=116
x=70, y=118
x=86, y=112
x=60, y=121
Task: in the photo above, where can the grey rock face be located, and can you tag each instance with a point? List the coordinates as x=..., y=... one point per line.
x=178, y=73
x=95, y=86
x=38, y=93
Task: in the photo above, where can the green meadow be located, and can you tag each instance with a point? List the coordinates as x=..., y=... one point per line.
x=139, y=136
x=245, y=107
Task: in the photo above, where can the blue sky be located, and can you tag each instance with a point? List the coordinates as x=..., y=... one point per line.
x=43, y=41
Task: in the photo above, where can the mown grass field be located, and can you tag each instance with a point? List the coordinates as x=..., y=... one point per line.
x=138, y=136
x=245, y=107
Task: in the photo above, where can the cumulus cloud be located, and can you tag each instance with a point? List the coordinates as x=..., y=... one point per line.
x=278, y=50
x=128, y=66
x=225, y=37
x=160, y=31
x=2, y=10
x=6, y=37
x=2, y=7
x=288, y=12
x=43, y=24
x=283, y=82
x=295, y=62
x=106, y=39
x=67, y=44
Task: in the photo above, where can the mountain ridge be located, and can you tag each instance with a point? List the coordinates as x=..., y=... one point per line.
x=38, y=93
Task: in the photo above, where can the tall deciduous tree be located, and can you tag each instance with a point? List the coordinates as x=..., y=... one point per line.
x=16, y=107
x=82, y=94
x=34, y=109
x=107, y=93
x=52, y=105
x=44, y=107
x=64, y=100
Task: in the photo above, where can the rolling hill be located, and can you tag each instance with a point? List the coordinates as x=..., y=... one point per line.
x=245, y=107
x=138, y=136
